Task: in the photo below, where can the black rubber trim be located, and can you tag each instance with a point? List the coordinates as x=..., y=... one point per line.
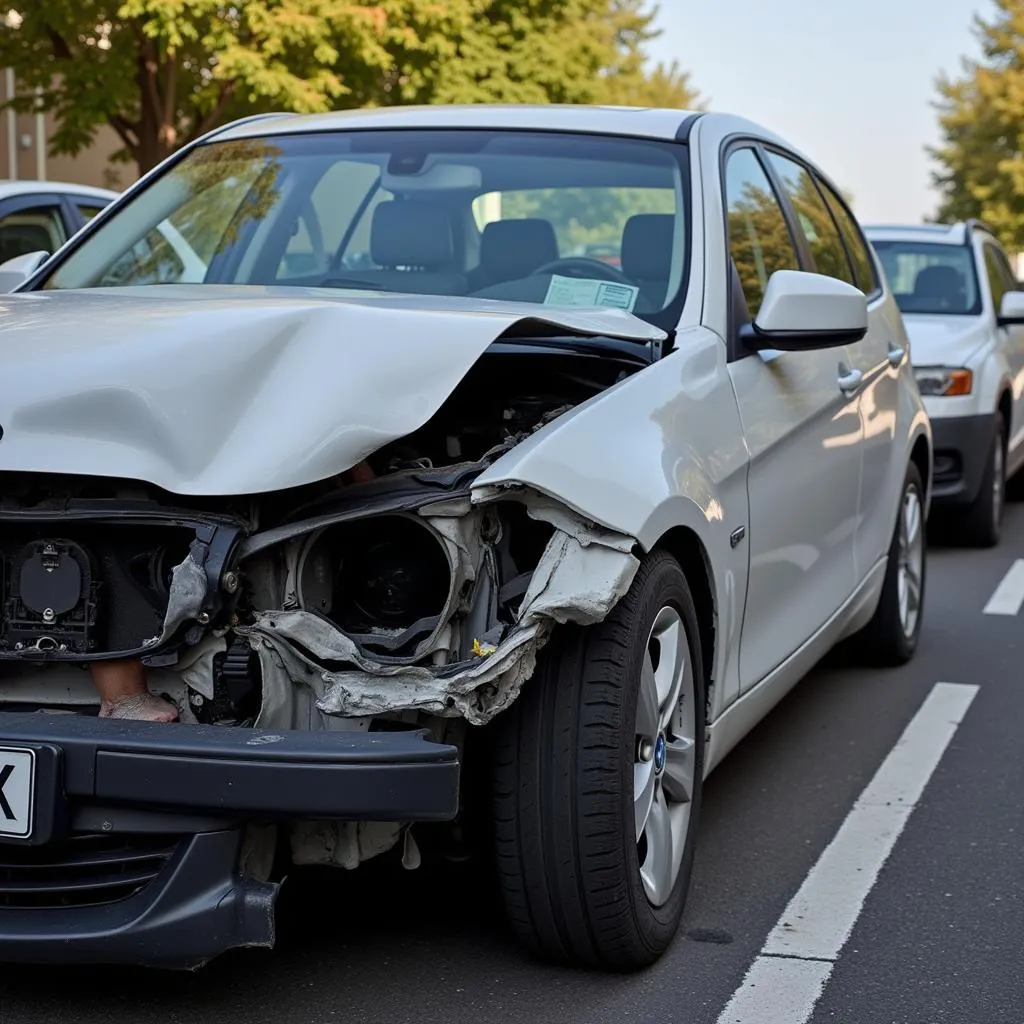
x=970, y=437
x=686, y=127
x=198, y=907
x=245, y=773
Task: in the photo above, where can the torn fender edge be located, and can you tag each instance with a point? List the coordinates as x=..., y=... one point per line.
x=580, y=577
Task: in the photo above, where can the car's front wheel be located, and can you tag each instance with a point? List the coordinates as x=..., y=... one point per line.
x=599, y=768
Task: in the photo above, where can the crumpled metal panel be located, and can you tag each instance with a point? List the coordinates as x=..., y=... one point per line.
x=579, y=578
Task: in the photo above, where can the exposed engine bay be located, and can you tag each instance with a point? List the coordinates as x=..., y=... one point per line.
x=389, y=602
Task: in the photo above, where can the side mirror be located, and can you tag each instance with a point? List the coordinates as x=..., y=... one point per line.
x=1011, y=309
x=802, y=311
x=19, y=269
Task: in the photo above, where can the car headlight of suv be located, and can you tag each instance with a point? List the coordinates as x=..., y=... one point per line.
x=943, y=380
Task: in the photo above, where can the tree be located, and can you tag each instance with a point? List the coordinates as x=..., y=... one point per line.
x=162, y=72
x=981, y=116
x=519, y=51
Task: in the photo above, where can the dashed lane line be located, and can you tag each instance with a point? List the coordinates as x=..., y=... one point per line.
x=1008, y=597
x=789, y=975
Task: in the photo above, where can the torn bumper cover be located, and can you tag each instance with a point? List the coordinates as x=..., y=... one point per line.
x=136, y=847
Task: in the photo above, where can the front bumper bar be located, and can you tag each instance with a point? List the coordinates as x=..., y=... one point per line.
x=197, y=909
x=238, y=773
x=963, y=446
x=97, y=778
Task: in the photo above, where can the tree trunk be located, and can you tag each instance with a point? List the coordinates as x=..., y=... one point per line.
x=155, y=132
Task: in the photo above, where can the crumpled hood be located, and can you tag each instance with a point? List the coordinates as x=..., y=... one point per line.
x=208, y=390
x=941, y=340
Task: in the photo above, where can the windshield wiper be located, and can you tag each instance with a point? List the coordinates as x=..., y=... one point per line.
x=351, y=282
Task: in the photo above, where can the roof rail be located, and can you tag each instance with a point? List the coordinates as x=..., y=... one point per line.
x=974, y=224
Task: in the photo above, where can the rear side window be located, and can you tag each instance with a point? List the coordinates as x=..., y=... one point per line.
x=1001, y=278
x=759, y=238
x=819, y=228
x=856, y=246
x=89, y=209
x=31, y=229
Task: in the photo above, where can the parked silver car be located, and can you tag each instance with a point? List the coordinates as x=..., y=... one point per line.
x=396, y=489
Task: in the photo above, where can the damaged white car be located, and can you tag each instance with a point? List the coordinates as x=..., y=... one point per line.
x=319, y=435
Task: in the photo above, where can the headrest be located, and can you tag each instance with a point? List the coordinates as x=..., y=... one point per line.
x=647, y=246
x=513, y=249
x=939, y=282
x=411, y=234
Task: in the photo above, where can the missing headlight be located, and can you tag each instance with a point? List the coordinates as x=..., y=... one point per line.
x=378, y=577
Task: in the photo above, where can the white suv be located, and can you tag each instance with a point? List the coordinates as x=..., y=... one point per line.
x=964, y=313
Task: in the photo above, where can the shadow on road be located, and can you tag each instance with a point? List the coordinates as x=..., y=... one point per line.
x=431, y=946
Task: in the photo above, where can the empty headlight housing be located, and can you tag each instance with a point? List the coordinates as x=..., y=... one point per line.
x=943, y=380
x=386, y=579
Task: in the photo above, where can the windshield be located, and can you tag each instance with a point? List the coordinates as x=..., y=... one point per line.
x=931, y=278
x=572, y=220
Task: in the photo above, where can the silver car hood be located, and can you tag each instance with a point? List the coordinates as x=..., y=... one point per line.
x=208, y=390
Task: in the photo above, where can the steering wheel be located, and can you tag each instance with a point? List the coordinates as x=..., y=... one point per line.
x=583, y=266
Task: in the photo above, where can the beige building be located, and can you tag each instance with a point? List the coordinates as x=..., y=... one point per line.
x=24, y=144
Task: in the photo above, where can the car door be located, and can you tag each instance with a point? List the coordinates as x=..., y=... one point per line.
x=803, y=436
x=31, y=223
x=1001, y=280
x=838, y=249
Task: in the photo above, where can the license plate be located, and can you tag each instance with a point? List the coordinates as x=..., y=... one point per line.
x=17, y=791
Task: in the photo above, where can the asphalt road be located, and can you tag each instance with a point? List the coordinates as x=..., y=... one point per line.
x=938, y=938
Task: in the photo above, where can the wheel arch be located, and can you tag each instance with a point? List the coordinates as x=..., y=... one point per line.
x=1004, y=405
x=921, y=456
x=685, y=546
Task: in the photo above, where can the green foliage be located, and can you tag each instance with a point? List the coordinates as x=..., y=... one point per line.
x=161, y=72
x=981, y=115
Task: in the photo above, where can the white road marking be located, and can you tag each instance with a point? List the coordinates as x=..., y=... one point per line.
x=1009, y=595
x=789, y=975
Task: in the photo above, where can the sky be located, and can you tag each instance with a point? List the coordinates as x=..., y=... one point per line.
x=848, y=82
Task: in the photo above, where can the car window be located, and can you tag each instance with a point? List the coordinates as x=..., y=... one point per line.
x=321, y=226
x=997, y=281
x=866, y=278
x=759, y=238
x=88, y=210
x=152, y=260
x=31, y=229
x=931, y=277
x=1000, y=275
x=815, y=220
x=588, y=223
x=395, y=211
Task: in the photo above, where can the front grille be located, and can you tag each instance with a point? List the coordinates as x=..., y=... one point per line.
x=82, y=871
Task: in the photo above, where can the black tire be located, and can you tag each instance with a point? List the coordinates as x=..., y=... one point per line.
x=981, y=525
x=566, y=843
x=886, y=637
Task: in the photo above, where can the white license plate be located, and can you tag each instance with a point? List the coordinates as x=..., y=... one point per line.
x=17, y=791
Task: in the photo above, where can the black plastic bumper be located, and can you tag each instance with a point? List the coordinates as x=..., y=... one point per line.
x=962, y=448
x=245, y=774
x=198, y=908
x=96, y=780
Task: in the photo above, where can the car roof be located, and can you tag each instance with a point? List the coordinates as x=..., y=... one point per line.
x=22, y=186
x=938, y=234
x=644, y=122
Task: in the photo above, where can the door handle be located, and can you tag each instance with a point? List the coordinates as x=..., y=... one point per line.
x=849, y=380
x=896, y=355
